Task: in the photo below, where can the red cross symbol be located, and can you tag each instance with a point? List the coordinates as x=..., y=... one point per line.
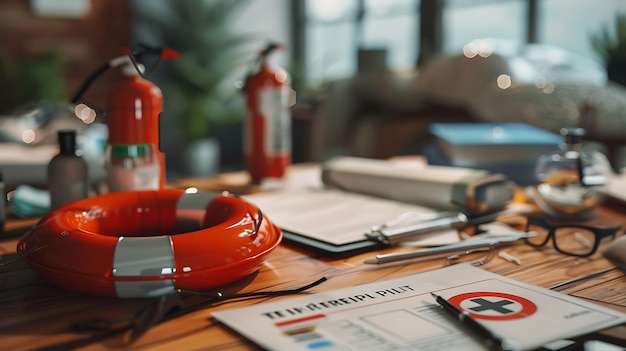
x=491, y=305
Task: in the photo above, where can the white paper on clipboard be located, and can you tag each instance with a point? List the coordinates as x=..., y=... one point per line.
x=338, y=217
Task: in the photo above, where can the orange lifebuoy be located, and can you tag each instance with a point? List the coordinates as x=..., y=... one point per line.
x=134, y=244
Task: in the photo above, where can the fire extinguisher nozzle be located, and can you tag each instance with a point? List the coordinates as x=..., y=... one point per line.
x=168, y=53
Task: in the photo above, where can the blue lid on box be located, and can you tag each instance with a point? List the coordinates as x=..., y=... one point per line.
x=493, y=133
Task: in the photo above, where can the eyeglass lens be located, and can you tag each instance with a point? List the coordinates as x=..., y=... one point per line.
x=571, y=240
x=575, y=241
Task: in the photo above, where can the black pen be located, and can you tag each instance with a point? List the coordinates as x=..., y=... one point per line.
x=493, y=340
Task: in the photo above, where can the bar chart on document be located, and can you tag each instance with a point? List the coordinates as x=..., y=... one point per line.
x=394, y=328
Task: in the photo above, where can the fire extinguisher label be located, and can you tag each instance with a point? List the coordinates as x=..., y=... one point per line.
x=274, y=106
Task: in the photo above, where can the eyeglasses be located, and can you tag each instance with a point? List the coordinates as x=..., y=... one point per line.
x=572, y=239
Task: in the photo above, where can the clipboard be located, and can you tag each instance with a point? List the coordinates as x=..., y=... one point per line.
x=349, y=248
x=333, y=220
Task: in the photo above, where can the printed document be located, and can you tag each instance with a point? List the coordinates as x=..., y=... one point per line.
x=338, y=217
x=401, y=314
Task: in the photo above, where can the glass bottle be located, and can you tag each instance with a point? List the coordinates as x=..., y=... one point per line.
x=67, y=172
x=571, y=179
x=132, y=167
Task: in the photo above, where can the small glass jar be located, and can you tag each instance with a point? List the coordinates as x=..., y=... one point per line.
x=570, y=180
x=132, y=167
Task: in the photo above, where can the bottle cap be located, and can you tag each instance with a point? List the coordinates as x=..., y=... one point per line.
x=573, y=135
x=132, y=150
x=67, y=142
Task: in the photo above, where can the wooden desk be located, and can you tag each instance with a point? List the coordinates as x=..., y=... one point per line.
x=36, y=315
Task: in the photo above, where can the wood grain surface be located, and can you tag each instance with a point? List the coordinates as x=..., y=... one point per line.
x=35, y=315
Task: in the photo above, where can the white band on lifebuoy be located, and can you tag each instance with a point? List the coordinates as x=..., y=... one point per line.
x=136, y=257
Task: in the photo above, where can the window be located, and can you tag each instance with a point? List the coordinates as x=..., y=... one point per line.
x=392, y=25
x=330, y=38
x=569, y=24
x=465, y=21
x=335, y=30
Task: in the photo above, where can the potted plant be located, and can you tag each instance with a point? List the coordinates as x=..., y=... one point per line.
x=32, y=79
x=199, y=87
x=610, y=44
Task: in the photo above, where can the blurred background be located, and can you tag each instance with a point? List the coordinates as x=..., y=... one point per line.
x=370, y=75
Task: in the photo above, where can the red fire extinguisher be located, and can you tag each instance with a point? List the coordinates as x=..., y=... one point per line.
x=267, y=128
x=132, y=116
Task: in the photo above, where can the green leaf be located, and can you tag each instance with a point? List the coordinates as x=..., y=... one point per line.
x=610, y=41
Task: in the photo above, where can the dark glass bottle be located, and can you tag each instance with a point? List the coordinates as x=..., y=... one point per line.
x=67, y=172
